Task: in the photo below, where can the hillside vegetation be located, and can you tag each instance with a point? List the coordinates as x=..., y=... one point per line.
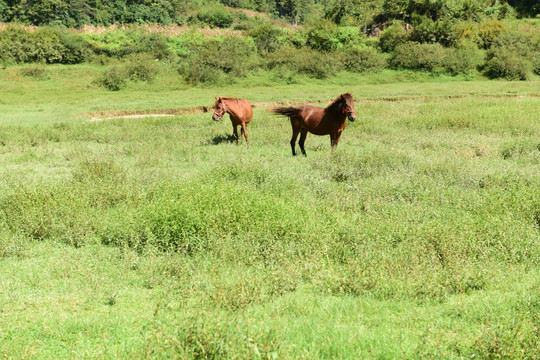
x=214, y=42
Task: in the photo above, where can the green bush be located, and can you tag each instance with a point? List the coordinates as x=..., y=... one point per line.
x=141, y=67
x=507, y=63
x=363, y=58
x=306, y=61
x=327, y=37
x=267, y=38
x=429, y=31
x=216, y=16
x=46, y=45
x=391, y=37
x=434, y=58
x=114, y=79
x=513, y=56
x=197, y=73
x=154, y=43
x=488, y=32
x=230, y=56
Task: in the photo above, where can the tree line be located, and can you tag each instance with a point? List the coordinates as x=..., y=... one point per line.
x=76, y=13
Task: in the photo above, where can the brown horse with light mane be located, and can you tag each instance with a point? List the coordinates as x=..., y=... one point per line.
x=319, y=121
x=239, y=110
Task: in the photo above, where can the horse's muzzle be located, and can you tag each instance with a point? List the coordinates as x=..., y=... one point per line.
x=351, y=117
x=216, y=117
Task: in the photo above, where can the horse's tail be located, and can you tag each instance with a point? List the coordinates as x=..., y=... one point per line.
x=287, y=111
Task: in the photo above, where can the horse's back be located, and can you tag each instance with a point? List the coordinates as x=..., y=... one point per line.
x=248, y=110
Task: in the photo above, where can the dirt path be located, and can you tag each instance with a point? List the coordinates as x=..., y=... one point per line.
x=136, y=114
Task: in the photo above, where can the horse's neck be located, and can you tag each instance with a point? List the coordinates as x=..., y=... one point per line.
x=231, y=106
x=333, y=108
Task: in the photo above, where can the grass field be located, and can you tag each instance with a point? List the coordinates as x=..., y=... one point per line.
x=158, y=237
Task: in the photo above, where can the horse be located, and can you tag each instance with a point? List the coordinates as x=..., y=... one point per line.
x=239, y=111
x=319, y=121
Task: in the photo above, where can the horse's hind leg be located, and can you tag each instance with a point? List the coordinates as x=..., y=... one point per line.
x=244, y=131
x=295, y=132
x=303, y=134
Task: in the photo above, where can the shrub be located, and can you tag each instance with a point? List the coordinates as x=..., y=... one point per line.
x=154, y=43
x=361, y=59
x=231, y=56
x=323, y=37
x=197, y=73
x=114, y=78
x=267, y=38
x=513, y=56
x=488, y=32
x=35, y=71
x=141, y=67
x=392, y=37
x=48, y=45
x=507, y=63
x=216, y=16
x=429, y=31
x=306, y=61
x=434, y=58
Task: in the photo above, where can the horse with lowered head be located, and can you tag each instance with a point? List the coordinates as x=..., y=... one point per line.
x=319, y=121
x=239, y=111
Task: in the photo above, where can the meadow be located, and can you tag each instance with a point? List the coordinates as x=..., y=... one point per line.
x=159, y=237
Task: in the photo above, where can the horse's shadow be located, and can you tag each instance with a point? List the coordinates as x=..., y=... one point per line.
x=219, y=139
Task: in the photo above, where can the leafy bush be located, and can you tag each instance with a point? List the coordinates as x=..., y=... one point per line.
x=231, y=56
x=488, y=32
x=48, y=45
x=513, y=56
x=361, y=59
x=114, y=78
x=393, y=36
x=305, y=61
x=154, y=43
x=429, y=31
x=216, y=16
x=268, y=38
x=141, y=67
x=328, y=37
x=434, y=58
x=507, y=63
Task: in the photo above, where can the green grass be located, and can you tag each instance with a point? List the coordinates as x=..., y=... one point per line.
x=418, y=237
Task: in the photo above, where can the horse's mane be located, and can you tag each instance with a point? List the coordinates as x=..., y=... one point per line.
x=334, y=104
x=227, y=98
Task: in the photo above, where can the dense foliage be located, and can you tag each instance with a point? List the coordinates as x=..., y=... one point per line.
x=451, y=37
x=75, y=13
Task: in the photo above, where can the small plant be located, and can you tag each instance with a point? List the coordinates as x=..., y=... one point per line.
x=34, y=71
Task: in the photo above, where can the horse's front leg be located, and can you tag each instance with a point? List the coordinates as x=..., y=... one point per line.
x=336, y=139
x=235, y=132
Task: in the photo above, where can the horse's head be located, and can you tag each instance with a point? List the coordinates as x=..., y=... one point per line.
x=347, y=106
x=219, y=109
